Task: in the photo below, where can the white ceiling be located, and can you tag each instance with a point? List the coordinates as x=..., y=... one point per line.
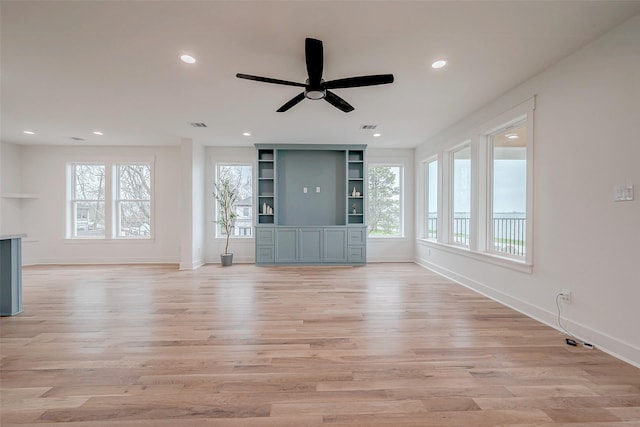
x=69, y=68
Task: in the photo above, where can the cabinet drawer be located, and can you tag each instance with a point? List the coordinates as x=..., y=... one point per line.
x=355, y=254
x=264, y=254
x=356, y=236
x=264, y=236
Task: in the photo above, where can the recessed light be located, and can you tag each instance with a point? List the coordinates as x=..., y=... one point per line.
x=376, y=135
x=97, y=132
x=247, y=134
x=512, y=136
x=439, y=64
x=188, y=59
x=28, y=132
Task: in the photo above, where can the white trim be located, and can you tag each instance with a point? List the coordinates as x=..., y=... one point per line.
x=617, y=348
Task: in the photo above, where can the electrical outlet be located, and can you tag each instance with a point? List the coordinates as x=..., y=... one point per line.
x=565, y=297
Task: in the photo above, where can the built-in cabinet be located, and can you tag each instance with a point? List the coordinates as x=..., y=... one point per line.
x=311, y=204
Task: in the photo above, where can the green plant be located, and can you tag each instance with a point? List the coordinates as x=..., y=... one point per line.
x=226, y=196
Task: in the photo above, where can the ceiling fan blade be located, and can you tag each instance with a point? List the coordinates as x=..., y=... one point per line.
x=378, y=79
x=338, y=102
x=269, y=80
x=314, y=57
x=291, y=103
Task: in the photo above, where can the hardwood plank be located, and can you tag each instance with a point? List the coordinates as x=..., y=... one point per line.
x=382, y=344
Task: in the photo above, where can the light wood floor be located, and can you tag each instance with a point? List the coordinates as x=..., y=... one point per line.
x=381, y=345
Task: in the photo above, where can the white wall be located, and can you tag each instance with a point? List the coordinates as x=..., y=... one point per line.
x=586, y=142
x=44, y=173
x=11, y=182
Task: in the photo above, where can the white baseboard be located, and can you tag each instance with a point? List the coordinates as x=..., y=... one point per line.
x=98, y=261
x=611, y=345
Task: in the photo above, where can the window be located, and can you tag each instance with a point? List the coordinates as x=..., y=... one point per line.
x=133, y=200
x=484, y=189
x=109, y=201
x=88, y=200
x=384, y=204
x=241, y=176
x=431, y=226
x=461, y=196
x=508, y=162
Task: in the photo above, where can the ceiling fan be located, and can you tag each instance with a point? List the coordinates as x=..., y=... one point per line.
x=315, y=86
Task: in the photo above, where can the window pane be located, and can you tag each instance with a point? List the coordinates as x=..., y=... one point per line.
x=89, y=182
x=134, y=182
x=134, y=219
x=88, y=216
x=133, y=202
x=432, y=200
x=384, y=204
x=89, y=219
x=242, y=180
x=461, y=195
x=509, y=191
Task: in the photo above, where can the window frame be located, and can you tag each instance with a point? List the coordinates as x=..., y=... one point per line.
x=451, y=216
x=482, y=191
x=427, y=196
x=217, y=229
x=110, y=194
x=73, y=200
x=401, y=201
x=117, y=212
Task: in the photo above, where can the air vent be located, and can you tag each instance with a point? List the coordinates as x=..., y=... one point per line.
x=368, y=127
x=198, y=125
x=76, y=138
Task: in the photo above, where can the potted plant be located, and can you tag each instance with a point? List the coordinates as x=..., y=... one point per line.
x=226, y=197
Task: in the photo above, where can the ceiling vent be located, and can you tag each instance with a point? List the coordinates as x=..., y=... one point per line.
x=368, y=127
x=198, y=125
x=76, y=138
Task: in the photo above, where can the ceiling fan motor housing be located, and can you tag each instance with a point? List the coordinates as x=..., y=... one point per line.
x=318, y=92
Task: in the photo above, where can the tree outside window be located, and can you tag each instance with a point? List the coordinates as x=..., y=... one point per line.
x=384, y=208
x=242, y=178
x=133, y=202
x=88, y=200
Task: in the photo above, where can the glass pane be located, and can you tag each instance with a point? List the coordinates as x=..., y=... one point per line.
x=134, y=219
x=242, y=180
x=89, y=182
x=384, y=209
x=89, y=219
x=432, y=200
x=461, y=195
x=134, y=182
x=509, y=191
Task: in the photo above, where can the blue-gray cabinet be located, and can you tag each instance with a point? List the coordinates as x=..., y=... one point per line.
x=310, y=245
x=311, y=204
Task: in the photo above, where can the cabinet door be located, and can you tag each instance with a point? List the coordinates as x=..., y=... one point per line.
x=264, y=254
x=286, y=245
x=310, y=245
x=335, y=245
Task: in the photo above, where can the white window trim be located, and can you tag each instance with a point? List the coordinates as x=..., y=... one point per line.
x=216, y=176
x=115, y=201
x=448, y=238
x=401, y=166
x=480, y=205
x=110, y=197
x=424, y=215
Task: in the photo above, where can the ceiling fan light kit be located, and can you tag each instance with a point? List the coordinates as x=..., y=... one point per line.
x=315, y=87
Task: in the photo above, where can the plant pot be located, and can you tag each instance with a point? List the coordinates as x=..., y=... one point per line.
x=226, y=259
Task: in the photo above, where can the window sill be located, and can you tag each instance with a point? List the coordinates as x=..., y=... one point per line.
x=489, y=258
x=81, y=240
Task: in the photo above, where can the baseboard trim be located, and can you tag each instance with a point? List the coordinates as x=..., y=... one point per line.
x=615, y=347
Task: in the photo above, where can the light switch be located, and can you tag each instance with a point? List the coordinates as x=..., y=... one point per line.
x=317, y=189
x=304, y=189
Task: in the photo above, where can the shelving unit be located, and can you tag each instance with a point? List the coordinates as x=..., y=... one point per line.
x=305, y=198
x=355, y=187
x=266, y=186
x=19, y=196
